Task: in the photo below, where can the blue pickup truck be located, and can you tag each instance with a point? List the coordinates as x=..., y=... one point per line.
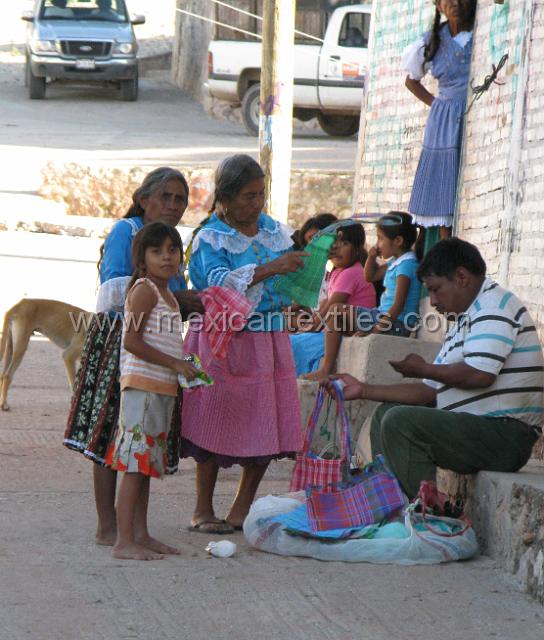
x=81, y=41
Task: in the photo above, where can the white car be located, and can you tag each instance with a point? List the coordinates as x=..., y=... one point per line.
x=329, y=80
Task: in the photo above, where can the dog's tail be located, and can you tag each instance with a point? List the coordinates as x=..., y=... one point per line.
x=6, y=345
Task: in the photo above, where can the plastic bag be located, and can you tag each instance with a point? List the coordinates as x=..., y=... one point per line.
x=418, y=546
x=201, y=378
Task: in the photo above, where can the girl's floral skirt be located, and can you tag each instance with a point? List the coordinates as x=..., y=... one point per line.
x=94, y=409
x=141, y=442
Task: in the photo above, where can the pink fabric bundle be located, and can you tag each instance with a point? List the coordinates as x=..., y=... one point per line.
x=225, y=311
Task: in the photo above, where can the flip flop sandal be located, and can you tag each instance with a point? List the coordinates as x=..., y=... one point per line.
x=217, y=527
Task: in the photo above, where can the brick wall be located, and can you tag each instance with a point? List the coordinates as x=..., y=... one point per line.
x=392, y=124
x=501, y=195
x=502, y=181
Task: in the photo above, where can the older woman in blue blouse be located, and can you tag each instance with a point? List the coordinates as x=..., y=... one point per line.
x=251, y=413
x=92, y=422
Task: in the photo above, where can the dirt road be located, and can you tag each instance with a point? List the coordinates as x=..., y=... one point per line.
x=57, y=585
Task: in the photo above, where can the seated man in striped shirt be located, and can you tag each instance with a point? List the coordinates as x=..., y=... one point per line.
x=480, y=405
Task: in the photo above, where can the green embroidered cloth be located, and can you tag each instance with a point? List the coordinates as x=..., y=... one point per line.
x=303, y=286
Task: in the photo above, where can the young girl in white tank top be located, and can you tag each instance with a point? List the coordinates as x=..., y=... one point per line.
x=151, y=359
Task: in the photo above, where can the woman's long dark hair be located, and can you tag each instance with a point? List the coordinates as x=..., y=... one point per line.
x=154, y=181
x=434, y=41
x=355, y=235
x=400, y=223
x=232, y=175
x=151, y=235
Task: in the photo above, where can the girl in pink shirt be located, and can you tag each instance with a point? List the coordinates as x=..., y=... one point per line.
x=347, y=285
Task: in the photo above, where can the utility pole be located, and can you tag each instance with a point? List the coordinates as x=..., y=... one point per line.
x=276, y=114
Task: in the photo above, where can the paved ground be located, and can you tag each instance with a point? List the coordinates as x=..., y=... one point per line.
x=57, y=585
x=82, y=125
x=91, y=125
x=49, y=266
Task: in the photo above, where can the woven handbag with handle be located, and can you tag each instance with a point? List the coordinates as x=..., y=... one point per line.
x=368, y=496
x=314, y=470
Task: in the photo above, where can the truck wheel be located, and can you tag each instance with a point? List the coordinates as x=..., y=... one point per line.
x=35, y=85
x=129, y=89
x=251, y=109
x=339, y=126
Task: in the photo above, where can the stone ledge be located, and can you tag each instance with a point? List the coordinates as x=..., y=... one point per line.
x=58, y=224
x=507, y=511
x=102, y=191
x=67, y=225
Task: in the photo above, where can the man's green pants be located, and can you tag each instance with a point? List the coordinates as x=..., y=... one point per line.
x=417, y=440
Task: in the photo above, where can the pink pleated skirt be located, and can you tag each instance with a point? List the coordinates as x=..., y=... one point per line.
x=252, y=409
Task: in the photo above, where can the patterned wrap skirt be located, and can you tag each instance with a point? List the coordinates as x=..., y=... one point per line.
x=251, y=414
x=94, y=410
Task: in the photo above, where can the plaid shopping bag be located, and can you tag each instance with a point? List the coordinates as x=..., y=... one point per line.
x=368, y=497
x=311, y=469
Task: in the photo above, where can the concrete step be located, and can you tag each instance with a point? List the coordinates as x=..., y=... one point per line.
x=507, y=512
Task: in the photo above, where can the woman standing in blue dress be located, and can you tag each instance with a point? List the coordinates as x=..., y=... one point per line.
x=445, y=51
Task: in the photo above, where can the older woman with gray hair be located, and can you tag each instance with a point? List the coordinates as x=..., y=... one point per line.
x=92, y=422
x=251, y=414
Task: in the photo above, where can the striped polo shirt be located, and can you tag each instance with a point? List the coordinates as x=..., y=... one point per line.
x=163, y=332
x=496, y=335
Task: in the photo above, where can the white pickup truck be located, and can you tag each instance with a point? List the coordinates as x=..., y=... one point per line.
x=328, y=79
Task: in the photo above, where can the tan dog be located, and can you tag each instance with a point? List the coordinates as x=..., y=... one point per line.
x=64, y=324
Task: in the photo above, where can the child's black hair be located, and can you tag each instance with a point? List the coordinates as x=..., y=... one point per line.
x=400, y=223
x=298, y=242
x=434, y=41
x=151, y=235
x=323, y=220
x=320, y=221
x=355, y=235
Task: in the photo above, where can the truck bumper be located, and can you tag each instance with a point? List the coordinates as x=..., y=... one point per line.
x=104, y=70
x=224, y=89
